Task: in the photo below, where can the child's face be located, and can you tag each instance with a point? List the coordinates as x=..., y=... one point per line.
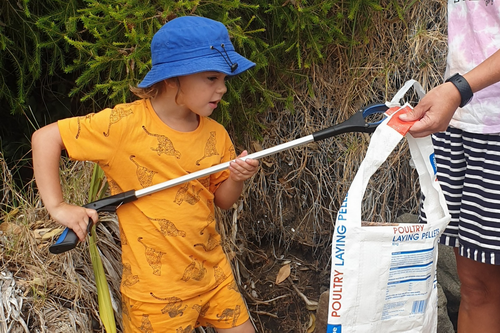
x=202, y=92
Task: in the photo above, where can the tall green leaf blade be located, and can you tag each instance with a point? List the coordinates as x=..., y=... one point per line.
x=97, y=190
x=103, y=295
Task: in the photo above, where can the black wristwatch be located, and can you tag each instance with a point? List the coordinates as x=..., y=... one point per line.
x=463, y=88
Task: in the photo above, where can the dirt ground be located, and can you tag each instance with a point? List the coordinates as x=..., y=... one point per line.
x=282, y=307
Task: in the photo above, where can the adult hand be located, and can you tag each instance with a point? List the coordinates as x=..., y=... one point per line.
x=434, y=111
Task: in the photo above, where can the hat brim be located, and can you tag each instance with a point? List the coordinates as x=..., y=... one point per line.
x=215, y=63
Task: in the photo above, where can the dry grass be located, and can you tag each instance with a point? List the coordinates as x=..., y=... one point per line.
x=58, y=292
x=287, y=212
x=290, y=206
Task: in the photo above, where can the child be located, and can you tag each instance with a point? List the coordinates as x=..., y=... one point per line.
x=175, y=273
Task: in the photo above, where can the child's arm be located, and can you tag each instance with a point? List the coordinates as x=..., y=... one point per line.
x=46, y=149
x=229, y=191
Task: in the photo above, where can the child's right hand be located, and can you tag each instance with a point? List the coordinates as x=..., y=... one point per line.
x=74, y=217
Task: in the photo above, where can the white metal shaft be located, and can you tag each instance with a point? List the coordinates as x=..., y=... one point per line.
x=222, y=166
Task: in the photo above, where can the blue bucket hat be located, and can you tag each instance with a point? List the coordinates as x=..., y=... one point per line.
x=192, y=44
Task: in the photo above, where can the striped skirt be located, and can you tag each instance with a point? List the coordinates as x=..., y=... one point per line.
x=468, y=170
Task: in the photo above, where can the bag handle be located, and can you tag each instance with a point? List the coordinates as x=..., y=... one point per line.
x=422, y=152
x=383, y=141
x=398, y=97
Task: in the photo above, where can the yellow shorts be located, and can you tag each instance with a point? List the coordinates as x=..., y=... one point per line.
x=222, y=307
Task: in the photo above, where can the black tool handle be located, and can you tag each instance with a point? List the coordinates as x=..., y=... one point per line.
x=356, y=123
x=68, y=239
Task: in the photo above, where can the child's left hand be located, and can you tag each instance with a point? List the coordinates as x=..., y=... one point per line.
x=241, y=170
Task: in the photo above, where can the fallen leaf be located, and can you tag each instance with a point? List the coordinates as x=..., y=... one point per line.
x=46, y=233
x=256, y=146
x=283, y=274
x=312, y=323
x=52, y=233
x=10, y=228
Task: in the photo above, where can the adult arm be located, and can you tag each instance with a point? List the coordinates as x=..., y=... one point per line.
x=436, y=109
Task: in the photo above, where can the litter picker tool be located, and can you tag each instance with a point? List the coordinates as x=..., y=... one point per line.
x=356, y=123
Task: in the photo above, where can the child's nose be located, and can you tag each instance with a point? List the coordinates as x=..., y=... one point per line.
x=221, y=89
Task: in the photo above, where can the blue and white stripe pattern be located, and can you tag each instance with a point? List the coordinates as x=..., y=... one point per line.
x=468, y=170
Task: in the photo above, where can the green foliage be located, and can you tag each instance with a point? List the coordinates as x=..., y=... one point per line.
x=93, y=50
x=112, y=39
x=305, y=29
x=23, y=60
x=16, y=39
x=33, y=87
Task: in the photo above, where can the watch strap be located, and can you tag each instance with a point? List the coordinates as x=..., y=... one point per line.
x=463, y=88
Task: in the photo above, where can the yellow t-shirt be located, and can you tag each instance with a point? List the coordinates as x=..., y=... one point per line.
x=170, y=247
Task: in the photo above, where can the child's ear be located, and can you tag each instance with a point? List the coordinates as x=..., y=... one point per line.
x=172, y=82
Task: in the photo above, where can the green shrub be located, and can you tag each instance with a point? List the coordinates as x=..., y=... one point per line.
x=94, y=50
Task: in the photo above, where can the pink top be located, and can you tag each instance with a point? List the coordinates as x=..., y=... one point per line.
x=474, y=35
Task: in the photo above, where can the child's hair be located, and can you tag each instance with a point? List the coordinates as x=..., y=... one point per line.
x=155, y=89
x=148, y=92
